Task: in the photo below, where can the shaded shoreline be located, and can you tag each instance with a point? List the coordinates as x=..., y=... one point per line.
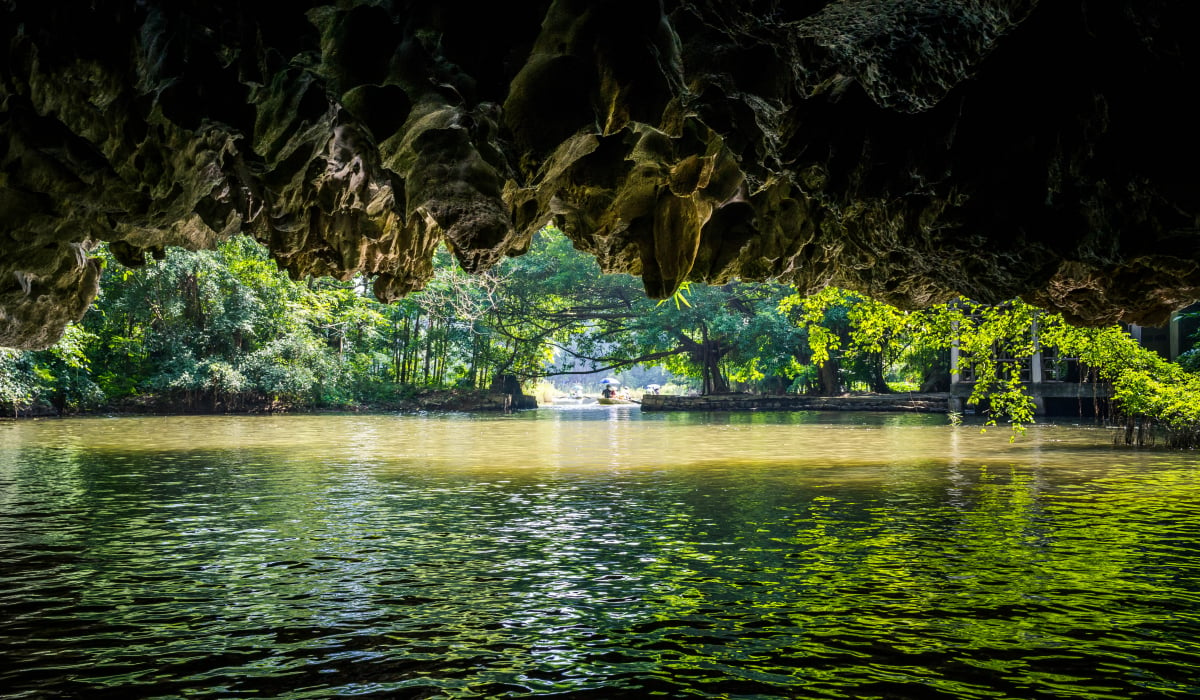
x=159, y=405
x=485, y=401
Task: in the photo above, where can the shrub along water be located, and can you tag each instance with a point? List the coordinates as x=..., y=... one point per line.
x=1152, y=398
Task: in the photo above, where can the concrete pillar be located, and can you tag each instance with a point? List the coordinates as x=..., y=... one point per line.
x=954, y=376
x=1035, y=362
x=1035, y=372
x=1176, y=340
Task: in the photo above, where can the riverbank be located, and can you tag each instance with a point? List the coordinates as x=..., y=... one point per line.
x=420, y=400
x=490, y=401
x=907, y=402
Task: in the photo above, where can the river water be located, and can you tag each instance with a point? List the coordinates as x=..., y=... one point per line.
x=593, y=553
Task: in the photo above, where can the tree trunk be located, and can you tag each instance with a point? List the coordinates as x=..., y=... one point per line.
x=429, y=340
x=411, y=357
x=878, y=382
x=717, y=380
x=444, y=356
x=827, y=377
x=439, y=360
x=473, y=370
x=397, y=352
x=713, y=381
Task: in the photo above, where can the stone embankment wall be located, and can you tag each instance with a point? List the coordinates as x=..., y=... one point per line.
x=490, y=401
x=920, y=403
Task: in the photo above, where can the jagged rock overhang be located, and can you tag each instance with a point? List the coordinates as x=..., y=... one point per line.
x=912, y=149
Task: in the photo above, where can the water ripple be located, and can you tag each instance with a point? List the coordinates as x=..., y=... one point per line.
x=174, y=569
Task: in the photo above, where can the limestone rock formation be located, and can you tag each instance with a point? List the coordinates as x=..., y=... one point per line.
x=911, y=149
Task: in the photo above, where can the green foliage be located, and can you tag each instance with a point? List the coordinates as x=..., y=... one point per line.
x=222, y=329
x=225, y=329
x=679, y=297
x=1190, y=360
x=1146, y=388
x=864, y=339
x=994, y=343
x=18, y=383
x=57, y=378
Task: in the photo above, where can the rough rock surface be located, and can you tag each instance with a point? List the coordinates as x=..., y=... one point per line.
x=912, y=149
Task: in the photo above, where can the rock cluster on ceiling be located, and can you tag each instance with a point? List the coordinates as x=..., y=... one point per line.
x=911, y=149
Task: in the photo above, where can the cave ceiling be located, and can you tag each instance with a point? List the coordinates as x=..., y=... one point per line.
x=911, y=149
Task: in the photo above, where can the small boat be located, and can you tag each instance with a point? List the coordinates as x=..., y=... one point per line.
x=614, y=401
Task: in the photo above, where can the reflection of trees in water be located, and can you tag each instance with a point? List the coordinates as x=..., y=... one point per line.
x=262, y=562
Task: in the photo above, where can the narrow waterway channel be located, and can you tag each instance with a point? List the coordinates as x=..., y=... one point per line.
x=593, y=553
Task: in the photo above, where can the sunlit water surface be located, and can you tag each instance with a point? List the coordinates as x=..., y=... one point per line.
x=593, y=553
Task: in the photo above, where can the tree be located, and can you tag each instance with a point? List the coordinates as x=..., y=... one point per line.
x=555, y=297
x=851, y=334
x=226, y=329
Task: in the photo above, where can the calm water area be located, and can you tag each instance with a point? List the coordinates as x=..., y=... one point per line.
x=593, y=553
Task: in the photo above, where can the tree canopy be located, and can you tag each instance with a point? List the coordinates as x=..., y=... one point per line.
x=226, y=330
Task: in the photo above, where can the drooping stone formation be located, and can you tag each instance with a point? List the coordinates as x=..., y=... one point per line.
x=912, y=149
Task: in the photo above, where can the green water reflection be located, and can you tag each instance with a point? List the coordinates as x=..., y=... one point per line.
x=593, y=553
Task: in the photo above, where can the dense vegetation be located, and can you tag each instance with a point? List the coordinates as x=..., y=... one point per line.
x=226, y=330
x=1150, y=395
